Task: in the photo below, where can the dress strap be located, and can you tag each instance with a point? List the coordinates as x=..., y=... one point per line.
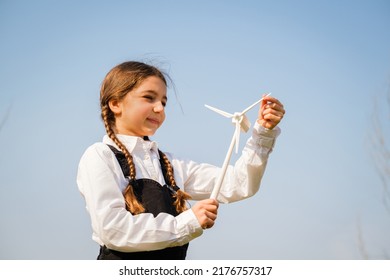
x=120, y=156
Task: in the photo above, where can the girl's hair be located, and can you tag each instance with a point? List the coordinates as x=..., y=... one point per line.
x=121, y=80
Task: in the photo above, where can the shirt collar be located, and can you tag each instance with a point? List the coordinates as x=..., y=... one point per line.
x=133, y=143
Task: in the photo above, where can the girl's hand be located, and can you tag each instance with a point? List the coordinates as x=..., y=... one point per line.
x=271, y=112
x=206, y=212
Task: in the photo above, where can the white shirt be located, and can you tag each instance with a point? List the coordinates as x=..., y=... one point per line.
x=101, y=182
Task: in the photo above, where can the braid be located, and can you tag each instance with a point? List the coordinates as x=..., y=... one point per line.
x=132, y=204
x=168, y=165
x=180, y=196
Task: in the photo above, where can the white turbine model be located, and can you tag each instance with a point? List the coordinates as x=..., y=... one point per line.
x=242, y=123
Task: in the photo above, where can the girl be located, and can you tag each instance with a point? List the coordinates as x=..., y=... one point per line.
x=135, y=194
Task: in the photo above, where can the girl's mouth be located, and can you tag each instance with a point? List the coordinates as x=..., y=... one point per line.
x=154, y=121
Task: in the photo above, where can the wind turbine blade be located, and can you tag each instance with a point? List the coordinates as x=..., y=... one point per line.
x=237, y=135
x=254, y=104
x=219, y=111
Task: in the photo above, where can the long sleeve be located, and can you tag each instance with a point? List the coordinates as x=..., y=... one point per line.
x=242, y=179
x=101, y=182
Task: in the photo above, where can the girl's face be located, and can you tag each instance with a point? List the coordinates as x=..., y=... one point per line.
x=142, y=111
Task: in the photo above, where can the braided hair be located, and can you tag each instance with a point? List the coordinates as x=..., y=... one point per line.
x=121, y=80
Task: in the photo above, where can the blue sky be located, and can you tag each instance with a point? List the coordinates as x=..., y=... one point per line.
x=327, y=61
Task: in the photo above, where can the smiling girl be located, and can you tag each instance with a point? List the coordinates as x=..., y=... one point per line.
x=137, y=195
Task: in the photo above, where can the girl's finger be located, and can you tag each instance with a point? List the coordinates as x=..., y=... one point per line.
x=270, y=99
x=211, y=216
x=275, y=117
x=272, y=112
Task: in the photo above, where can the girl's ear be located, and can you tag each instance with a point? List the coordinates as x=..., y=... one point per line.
x=115, y=106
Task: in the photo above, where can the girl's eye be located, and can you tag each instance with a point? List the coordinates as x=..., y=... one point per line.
x=151, y=98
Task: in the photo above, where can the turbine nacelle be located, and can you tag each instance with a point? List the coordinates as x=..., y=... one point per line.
x=244, y=122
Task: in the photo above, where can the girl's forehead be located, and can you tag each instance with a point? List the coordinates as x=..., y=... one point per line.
x=153, y=85
x=154, y=82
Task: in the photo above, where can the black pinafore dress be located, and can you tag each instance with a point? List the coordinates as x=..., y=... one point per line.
x=156, y=199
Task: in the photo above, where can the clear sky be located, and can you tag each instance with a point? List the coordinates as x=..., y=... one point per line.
x=327, y=61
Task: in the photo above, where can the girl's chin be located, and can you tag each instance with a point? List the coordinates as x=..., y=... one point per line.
x=150, y=132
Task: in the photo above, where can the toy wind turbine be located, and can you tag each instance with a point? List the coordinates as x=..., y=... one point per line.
x=242, y=123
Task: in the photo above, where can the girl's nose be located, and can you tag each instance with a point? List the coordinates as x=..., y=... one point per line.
x=158, y=108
